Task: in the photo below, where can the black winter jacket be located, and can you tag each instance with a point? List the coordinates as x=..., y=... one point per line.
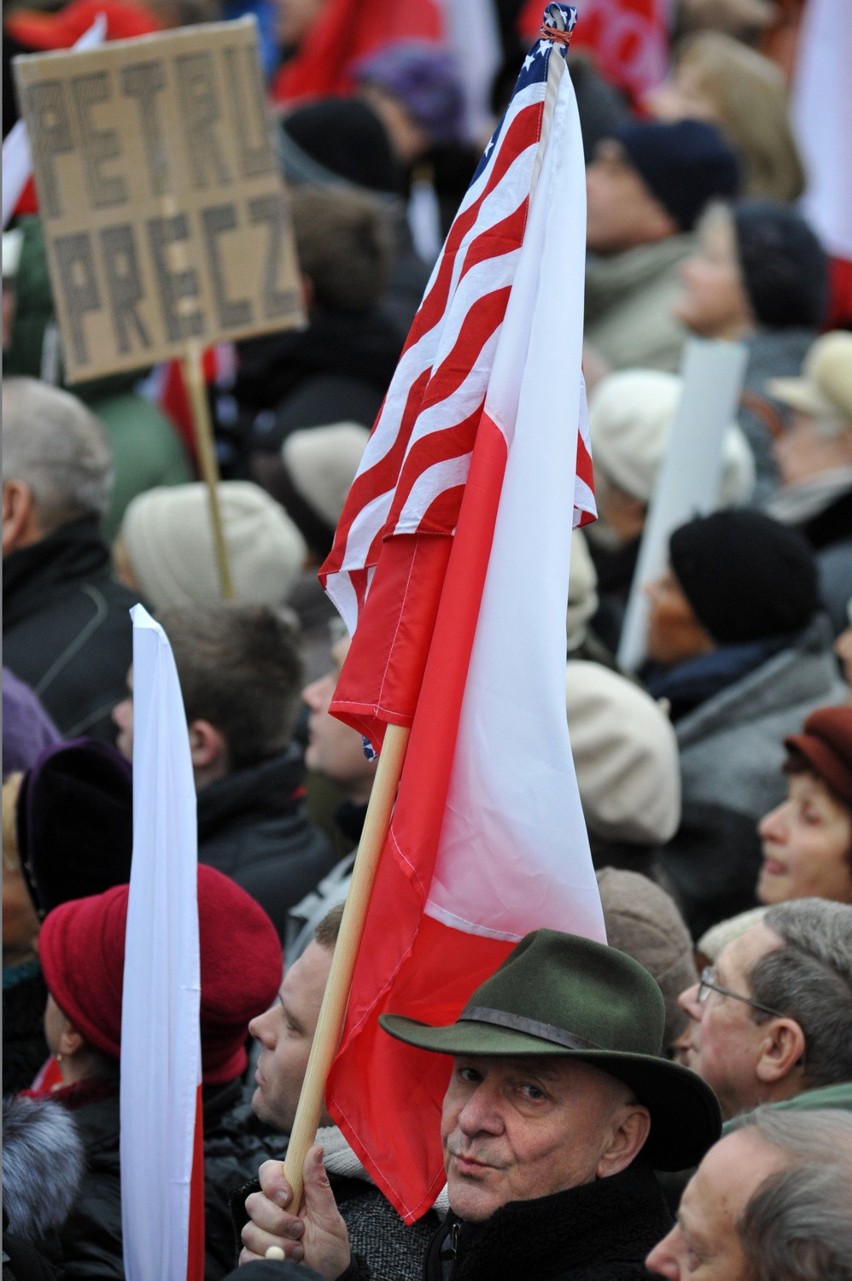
x=67, y=630
x=601, y=1231
x=91, y=1239
x=253, y=826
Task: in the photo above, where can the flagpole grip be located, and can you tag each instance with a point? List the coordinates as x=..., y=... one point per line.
x=333, y=1009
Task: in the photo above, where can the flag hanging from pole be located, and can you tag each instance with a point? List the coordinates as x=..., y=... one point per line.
x=162, y=1160
x=451, y=568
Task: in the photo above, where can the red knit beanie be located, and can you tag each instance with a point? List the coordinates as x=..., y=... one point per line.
x=81, y=946
x=826, y=744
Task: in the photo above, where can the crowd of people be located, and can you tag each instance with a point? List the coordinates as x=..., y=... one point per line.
x=674, y=1103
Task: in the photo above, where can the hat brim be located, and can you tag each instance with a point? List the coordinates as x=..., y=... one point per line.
x=685, y=1115
x=800, y=394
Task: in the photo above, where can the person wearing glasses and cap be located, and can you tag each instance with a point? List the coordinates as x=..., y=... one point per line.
x=558, y=1108
x=771, y=1021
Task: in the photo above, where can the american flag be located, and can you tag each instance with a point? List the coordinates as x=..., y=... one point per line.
x=413, y=473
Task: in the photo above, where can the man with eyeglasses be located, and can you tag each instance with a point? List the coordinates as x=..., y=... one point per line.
x=771, y=1022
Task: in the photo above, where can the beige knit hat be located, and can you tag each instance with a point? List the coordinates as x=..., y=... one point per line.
x=825, y=388
x=642, y=920
x=168, y=537
x=322, y=462
x=582, y=592
x=630, y=416
x=625, y=754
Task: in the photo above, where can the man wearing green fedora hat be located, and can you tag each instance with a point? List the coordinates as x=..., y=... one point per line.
x=558, y=1108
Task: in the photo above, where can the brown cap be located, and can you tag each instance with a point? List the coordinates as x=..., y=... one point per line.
x=826, y=744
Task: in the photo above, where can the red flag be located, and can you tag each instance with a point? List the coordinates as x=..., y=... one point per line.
x=346, y=31
x=451, y=562
x=628, y=39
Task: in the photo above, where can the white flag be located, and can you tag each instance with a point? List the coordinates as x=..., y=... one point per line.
x=160, y=1036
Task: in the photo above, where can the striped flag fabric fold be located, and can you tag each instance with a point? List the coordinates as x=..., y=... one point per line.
x=162, y=1168
x=413, y=475
x=458, y=604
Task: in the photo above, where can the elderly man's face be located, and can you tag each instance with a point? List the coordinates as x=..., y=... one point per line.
x=725, y=1038
x=514, y=1129
x=704, y=1244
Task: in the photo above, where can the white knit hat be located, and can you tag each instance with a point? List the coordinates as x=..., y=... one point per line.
x=625, y=754
x=322, y=462
x=630, y=416
x=168, y=537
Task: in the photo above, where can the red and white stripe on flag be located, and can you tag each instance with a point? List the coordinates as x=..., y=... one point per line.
x=392, y=539
x=487, y=839
x=162, y=1158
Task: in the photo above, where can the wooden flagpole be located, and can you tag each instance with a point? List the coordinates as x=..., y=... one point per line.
x=333, y=1009
x=193, y=370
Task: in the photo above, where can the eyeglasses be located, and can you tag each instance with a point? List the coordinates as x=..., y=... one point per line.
x=707, y=984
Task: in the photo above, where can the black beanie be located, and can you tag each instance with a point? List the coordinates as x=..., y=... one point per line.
x=684, y=164
x=746, y=576
x=783, y=265
x=338, y=139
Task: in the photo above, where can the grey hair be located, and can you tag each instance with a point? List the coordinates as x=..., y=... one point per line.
x=57, y=447
x=797, y=1225
x=810, y=979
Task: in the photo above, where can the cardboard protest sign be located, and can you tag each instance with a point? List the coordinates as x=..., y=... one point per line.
x=160, y=191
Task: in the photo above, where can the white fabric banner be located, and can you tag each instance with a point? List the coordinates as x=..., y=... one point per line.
x=160, y=1037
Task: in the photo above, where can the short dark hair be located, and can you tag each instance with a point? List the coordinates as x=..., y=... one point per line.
x=241, y=670
x=810, y=980
x=328, y=929
x=345, y=246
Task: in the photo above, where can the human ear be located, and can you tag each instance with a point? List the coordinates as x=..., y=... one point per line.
x=629, y=1127
x=17, y=514
x=206, y=744
x=781, y=1051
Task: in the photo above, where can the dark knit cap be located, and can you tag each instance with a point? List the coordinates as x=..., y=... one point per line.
x=82, y=945
x=826, y=744
x=333, y=140
x=684, y=164
x=746, y=576
x=783, y=265
x=75, y=822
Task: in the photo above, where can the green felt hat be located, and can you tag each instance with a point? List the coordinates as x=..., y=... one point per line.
x=560, y=994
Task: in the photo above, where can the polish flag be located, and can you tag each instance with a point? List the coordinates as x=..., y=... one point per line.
x=822, y=122
x=451, y=565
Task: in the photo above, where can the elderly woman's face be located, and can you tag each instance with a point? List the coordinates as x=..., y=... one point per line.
x=807, y=845
x=714, y=303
